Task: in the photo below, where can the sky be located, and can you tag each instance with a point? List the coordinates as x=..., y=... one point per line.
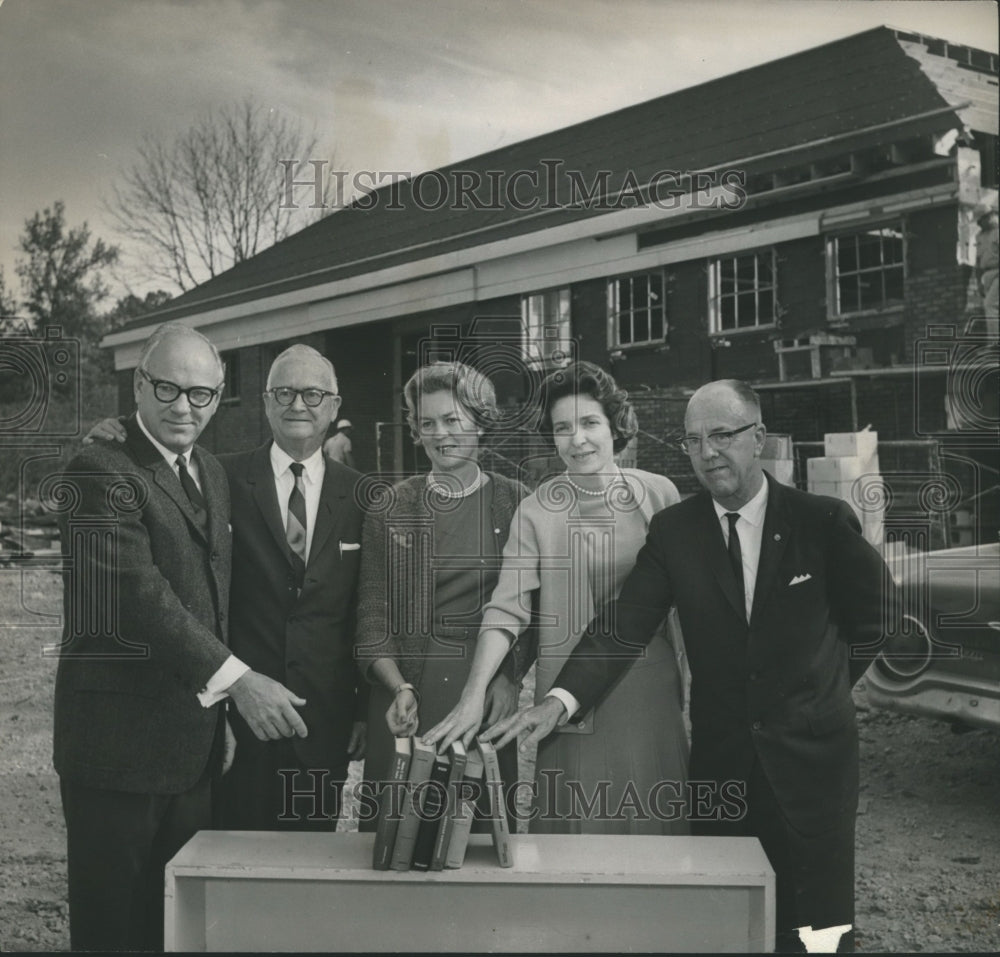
x=383, y=84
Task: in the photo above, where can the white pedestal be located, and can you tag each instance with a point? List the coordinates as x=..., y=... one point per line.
x=243, y=891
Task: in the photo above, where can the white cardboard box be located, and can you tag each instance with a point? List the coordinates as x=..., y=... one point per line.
x=782, y=469
x=851, y=444
x=777, y=445
x=840, y=469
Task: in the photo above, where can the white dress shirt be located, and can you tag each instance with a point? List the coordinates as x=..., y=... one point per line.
x=750, y=528
x=313, y=472
x=232, y=668
x=171, y=456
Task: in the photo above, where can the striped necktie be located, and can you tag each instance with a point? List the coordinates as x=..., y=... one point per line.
x=295, y=526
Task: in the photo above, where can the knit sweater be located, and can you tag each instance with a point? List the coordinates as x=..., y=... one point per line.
x=396, y=581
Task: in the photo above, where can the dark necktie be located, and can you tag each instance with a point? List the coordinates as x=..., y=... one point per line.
x=736, y=557
x=192, y=491
x=295, y=526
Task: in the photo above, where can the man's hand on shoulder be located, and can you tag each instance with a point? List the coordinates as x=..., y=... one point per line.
x=268, y=707
x=109, y=430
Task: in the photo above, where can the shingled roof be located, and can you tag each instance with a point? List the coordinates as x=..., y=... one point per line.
x=753, y=119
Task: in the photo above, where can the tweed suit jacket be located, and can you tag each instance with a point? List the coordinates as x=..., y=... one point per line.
x=396, y=592
x=776, y=688
x=144, y=619
x=304, y=639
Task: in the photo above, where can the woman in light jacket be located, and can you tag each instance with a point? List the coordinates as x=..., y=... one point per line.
x=623, y=769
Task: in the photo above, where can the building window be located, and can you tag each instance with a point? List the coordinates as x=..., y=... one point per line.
x=637, y=312
x=866, y=269
x=742, y=291
x=231, y=363
x=546, y=324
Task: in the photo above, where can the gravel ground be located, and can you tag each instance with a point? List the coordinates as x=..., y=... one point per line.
x=928, y=859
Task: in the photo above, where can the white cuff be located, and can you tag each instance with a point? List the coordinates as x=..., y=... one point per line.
x=568, y=702
x=215, y=691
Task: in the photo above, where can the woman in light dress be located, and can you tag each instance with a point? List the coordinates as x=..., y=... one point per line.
x=622, y=769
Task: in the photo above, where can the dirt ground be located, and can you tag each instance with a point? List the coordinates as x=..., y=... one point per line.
x=928, y=848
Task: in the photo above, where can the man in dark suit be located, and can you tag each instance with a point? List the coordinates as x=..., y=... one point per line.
x=782, y=604
x=136, y=738
x=293, y=604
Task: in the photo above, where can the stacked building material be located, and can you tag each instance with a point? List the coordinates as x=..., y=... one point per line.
x=849, y=470
x=777, y=457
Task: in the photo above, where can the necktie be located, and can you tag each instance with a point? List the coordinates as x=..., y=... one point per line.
x=192, y=491
x=736, y=557
x=295, y=526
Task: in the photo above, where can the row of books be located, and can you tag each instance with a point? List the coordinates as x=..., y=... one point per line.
x=427, y=804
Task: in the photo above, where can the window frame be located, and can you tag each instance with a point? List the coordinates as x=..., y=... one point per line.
x=614, y=313
x=231, y=361
x=835, y=313
x=533, y=338
x=715, y=292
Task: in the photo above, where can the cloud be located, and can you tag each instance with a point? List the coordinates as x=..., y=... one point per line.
x=385, y=84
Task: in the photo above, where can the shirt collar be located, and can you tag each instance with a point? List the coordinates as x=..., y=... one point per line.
x=314, y=469
x=169, y=454
x=752, y=511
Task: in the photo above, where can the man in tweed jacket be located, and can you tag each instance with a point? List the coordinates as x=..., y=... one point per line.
x=137, y=734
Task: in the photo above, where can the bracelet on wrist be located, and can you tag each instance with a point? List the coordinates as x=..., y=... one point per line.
x=405, y=686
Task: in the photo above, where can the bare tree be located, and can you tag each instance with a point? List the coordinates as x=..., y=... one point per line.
x=213, y=197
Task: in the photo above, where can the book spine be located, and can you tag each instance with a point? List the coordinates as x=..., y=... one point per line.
x=389, y=812
x=406, y=836
x=462, y=824
x=458, y=764
x=433, y=807
x=498, y=809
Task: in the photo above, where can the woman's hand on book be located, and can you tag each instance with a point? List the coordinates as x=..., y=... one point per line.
x=463, y=721
x=501, y=699
x=538, y=722
x=402, y=716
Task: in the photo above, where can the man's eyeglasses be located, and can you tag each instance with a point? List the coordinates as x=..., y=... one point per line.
x=286, y=396
x=719, y=441
x=166, y=392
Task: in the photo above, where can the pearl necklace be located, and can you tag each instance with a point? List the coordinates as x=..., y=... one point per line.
x=586, y=491
x=461, y=493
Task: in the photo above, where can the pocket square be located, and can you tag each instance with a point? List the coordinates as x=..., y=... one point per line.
x=349, y=546
x=799, y=579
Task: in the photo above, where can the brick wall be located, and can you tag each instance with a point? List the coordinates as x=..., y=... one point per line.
x=239, y=422
x=363, y=357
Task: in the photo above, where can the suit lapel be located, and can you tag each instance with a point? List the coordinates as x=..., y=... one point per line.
x=326, y=514
x=260, y=476
x=147, y=456
x=718, y=558
x=218, y=517
x=775, y=539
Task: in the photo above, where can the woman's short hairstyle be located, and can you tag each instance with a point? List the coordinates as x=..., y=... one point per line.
x=585, y=378
x=471, y=389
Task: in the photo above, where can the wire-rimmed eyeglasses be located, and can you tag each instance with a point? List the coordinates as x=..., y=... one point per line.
x=719, y=441
x=166, y=391
x=284, y=395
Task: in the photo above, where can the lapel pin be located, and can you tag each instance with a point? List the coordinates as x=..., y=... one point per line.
x=777, y=536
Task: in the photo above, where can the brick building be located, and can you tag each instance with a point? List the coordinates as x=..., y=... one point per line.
x=807, y=225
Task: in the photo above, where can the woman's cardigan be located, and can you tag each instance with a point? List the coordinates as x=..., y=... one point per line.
x=396, y=580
